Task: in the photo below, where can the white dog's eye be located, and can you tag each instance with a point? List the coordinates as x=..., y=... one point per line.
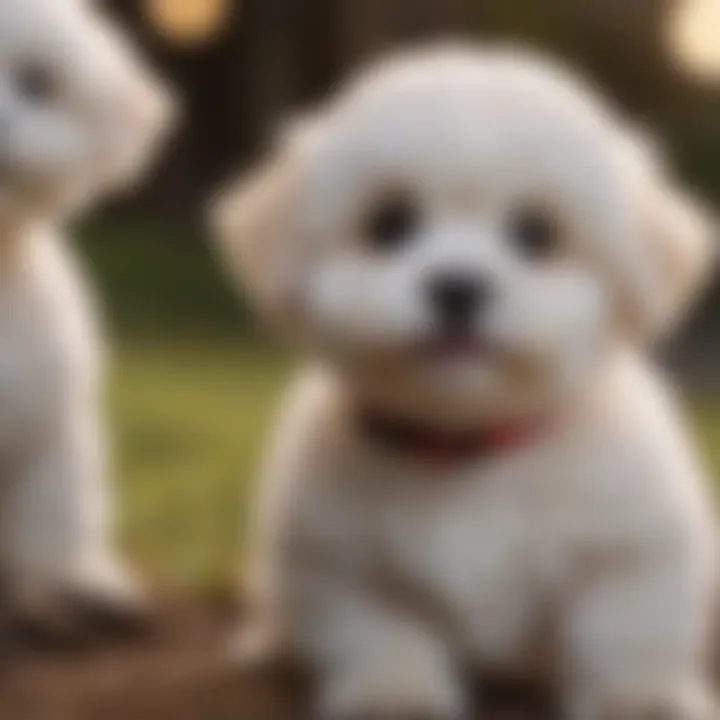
x=534, y=232
x=36, y=83
x=391, y=222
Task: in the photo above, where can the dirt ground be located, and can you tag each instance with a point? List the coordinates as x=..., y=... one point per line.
x=179, y=673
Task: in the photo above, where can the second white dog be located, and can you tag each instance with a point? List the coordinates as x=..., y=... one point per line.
x=479, y=463
x=78, y=116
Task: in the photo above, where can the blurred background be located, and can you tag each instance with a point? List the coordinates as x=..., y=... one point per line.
x=194, y=382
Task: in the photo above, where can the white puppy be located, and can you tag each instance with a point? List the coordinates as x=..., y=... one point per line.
x=78, y=116
x=475, y=252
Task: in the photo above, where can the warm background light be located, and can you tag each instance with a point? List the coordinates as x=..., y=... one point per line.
x=696, y=36
x=188, y=22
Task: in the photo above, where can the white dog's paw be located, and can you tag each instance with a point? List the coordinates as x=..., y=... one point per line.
x=74, y=612
x=107, y=580
x=393, y=694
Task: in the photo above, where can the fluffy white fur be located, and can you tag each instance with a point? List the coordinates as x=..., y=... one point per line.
x=78, y=116
x=599, y=534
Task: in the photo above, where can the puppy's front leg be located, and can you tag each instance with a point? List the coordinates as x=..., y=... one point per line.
x=55, y=527
x=636, y=642
x=377, y=663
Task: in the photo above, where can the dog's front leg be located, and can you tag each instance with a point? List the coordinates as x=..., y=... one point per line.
x=375, y=662
x=636, y=637
x=55, y=536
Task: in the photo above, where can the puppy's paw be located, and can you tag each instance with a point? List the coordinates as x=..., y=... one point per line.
x=44, y=616
x=406, y=708
x=109, y=602
x=54, y=622
x=393, y=694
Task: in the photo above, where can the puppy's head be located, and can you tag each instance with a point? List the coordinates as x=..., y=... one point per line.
x=466, y=230
x=78, y=115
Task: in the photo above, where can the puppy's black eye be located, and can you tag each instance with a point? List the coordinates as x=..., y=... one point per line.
x=36, y=83
x=534, y=232
x=391, y=223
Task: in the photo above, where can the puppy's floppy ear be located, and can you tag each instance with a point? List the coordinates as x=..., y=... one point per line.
x=145, y=119
x=138, y=110
x=671, y=252
x=254, y=221
x=678, y=256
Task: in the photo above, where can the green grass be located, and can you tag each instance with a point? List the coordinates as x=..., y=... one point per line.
x=188, y=423
x=161, y=280
x=706, y=416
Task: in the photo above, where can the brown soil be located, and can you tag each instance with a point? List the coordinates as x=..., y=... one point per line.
x=179, y=673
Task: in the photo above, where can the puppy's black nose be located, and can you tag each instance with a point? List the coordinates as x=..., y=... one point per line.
x=457, y=298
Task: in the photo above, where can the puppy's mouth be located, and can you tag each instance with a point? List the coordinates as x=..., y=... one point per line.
x=6, y=165
x=8, y=175
x=454, y=347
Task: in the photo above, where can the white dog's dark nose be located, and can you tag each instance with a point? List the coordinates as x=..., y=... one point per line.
x=457, y=298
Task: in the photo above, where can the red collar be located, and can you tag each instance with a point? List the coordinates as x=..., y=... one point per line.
x=447, y=447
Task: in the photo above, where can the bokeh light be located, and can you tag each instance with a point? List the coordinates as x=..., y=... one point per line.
x=188, y=22
x=696, y=36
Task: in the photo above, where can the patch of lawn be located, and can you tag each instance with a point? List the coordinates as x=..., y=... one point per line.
x=188, y=423
x=706, y=417
x=157, y=280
